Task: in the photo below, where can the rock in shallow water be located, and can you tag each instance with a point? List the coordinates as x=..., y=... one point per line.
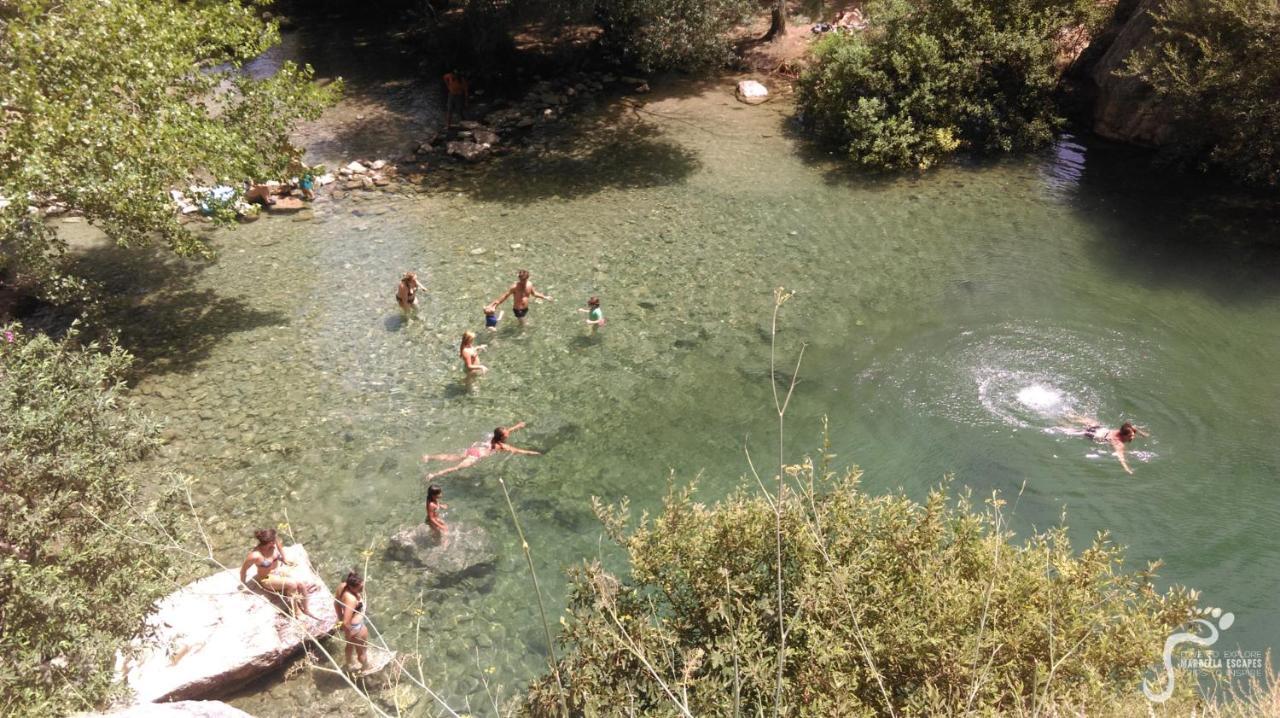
x=466, y=551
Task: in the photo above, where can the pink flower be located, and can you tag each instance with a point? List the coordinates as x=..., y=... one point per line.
x=8, y=336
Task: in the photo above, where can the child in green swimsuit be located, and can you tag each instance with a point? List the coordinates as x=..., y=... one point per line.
x=594, y=316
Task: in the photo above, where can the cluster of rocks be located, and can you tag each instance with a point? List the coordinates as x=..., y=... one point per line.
x=366, y=175
x=505, y=120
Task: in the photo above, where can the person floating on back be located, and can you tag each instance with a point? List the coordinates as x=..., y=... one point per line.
x=595, y=317
x=407, y=291
x=1093, y=430
x=495, y=443
x=520, y=293
x=459, y=96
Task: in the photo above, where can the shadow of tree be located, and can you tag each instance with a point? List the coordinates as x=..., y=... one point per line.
x=168, y=324
x=1165, y=229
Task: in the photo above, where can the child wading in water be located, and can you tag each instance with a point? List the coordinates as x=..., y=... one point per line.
x=434, y=506
x=491, y=317
x=595, y=317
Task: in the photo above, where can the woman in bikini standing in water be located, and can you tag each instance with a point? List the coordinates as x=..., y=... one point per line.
x=494, y=444
x=268, y=558
x=469, y=351
x=407, y=291
x=1093, y=430
x=348, y=601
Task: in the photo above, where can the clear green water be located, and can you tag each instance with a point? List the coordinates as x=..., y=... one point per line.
x=946, y=320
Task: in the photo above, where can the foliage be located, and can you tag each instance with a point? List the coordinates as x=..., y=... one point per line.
x=1215, y=65
x=671, y=34
x=75, y=573
x=930, y=77
x=891, y=606
x=106, y=105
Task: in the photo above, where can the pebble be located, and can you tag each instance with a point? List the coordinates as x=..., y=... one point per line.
x=517, y=245
x=478, y=251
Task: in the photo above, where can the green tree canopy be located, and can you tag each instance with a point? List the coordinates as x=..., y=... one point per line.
x=891, y=607
x=1215, y=64
x=105, y=105
x=930, y=77
x=82, y=549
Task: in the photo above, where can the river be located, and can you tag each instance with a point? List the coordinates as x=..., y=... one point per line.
x=949, y=321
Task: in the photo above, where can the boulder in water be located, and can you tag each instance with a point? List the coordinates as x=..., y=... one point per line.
x=466, y=551
x=215, y=634
x=751, y=92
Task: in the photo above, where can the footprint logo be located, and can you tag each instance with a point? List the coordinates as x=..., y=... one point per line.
x=1224, y=621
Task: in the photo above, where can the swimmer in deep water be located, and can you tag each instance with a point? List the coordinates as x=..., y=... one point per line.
x=520, y=292
x=407, y=291
x=269, y=560
x=1099, y=434
x=470, y=353
x=491, y=445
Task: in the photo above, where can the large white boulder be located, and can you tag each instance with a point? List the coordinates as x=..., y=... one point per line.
x=752, y=92
x=213, y=635
x=180, y=709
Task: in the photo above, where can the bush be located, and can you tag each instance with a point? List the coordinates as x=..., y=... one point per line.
x=930, y=609
x=671, y=34
x=76, y=569
x=930, y=77
x=1215, y=64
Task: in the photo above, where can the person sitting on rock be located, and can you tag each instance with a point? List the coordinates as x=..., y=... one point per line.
x=258, y=194
x=348, y=602
x=269, y=560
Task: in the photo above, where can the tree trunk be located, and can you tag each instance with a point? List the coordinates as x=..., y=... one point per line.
x=777, y=21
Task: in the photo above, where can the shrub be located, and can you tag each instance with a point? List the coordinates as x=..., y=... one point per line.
x=1215, y=64
x=923, y=608
x=671, y=34
x=77, y=571
x=930, y=77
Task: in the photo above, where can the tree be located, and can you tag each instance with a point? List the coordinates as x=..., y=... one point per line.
x=671, y=34
x=777, y=20
x=931, y=77
x=80, y=553
x=892, y=607
x=1215, y=64
x=107, y=105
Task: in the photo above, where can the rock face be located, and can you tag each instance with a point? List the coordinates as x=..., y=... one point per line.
x=751, y=92
x=469, y=151
x=212, y=635
x=1125, y=108
x=467, y=551
x=181, y=709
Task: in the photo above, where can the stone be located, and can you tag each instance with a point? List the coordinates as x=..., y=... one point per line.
x=286, y=205
x=466, y=552
x=214, y=635
x=751, y=92
x=525, y=122
x=355, y=167
x=631, y=80
x=477, y=251
x=469, y=151
x=1127, y=109
x=180, y=709
x=378, y=164
x=486, y=137
x=642, y=88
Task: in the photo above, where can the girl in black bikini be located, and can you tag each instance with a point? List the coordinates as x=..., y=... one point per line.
x=1115, y=438
x=348, y=601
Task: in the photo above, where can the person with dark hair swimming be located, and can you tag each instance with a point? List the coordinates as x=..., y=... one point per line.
x=348, y=601
x=493, y=444
x=268, y=558
x=1092, y=429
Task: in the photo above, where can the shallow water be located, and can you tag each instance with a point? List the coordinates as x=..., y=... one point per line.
x=949, y=322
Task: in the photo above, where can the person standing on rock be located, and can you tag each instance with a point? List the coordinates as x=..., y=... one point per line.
x=407, y=291
x=520, y=293
x=459, y=96
x=348, y=601
x=269, y=560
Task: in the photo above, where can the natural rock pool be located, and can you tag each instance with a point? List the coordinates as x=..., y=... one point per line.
x=948, y=321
